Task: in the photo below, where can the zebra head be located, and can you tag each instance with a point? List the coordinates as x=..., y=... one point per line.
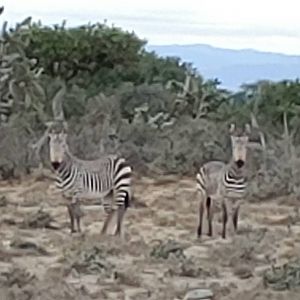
x=58, y=145
x=239, y=142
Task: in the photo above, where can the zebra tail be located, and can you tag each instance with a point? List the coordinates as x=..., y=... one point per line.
x=127, y=201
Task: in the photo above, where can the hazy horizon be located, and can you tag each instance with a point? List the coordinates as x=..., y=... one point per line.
x=229, y=25
x=222, y=48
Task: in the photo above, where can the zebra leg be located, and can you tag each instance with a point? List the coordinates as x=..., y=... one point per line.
x=109, y=214
x=122, y=200
x=201, y=212
x=225, y=218
x=78, y=214
x=209, y=215
x=235, y=217
x=106, y=222
x=71, y=215
x=120, y=216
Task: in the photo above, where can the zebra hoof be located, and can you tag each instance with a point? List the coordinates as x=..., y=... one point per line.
x=199, y=233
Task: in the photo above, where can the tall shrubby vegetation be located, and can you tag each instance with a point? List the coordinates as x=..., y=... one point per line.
x=118, y=97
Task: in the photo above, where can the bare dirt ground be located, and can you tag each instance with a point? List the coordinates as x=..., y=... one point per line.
x=159, y=256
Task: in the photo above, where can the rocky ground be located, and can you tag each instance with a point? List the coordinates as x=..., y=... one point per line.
x=158, y=257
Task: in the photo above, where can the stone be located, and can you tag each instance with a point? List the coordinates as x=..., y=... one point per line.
x=199, y=294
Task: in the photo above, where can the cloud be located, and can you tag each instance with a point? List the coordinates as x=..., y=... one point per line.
x=265, y=25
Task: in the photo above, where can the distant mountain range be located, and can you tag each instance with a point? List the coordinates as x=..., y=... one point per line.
x=234, y=67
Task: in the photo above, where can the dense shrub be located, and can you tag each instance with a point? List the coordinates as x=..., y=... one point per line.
x=158, y=112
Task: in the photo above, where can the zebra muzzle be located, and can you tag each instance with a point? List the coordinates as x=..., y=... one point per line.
x=239, y=163
x=55, y=165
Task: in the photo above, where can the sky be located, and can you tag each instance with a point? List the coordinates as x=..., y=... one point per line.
x=265, y=25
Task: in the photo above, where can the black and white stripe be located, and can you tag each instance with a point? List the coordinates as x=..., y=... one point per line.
x=95, y=179
x=208, y=177
x=225, y=182
x=220, y=184
x=234, y=182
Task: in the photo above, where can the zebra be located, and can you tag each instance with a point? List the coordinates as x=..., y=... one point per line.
x=90, y=179
x=225, y=182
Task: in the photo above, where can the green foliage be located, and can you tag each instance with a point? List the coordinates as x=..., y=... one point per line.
x=284, y=277
x=21, y=91
x=269, y=100
x=158, y=112
x=96, y=56
x=154, y=69
x=82, y=50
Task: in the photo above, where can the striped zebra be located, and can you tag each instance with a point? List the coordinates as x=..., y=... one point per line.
x=224, y=185
x=90, y=179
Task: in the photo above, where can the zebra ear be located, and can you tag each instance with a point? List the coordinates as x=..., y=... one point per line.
x=64, y=127
x=255, y=146
x=247, y=129
x=49, y=124
x=232, y=128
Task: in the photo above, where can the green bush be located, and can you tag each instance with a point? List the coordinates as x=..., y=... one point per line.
x=158, y=112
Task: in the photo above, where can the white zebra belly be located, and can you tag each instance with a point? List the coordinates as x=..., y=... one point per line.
x=235, y=194
x=93, y=194
x=69, y=193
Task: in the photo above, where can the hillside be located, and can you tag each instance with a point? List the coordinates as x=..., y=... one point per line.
x=234, y=67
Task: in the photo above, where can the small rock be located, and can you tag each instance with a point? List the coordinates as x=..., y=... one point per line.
x=196, y=251
x=57, y=269
x=28, y=246
x=74, y=273
x=8, y=220
x=199, y=294
x=136, y=293
x=243, y=272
